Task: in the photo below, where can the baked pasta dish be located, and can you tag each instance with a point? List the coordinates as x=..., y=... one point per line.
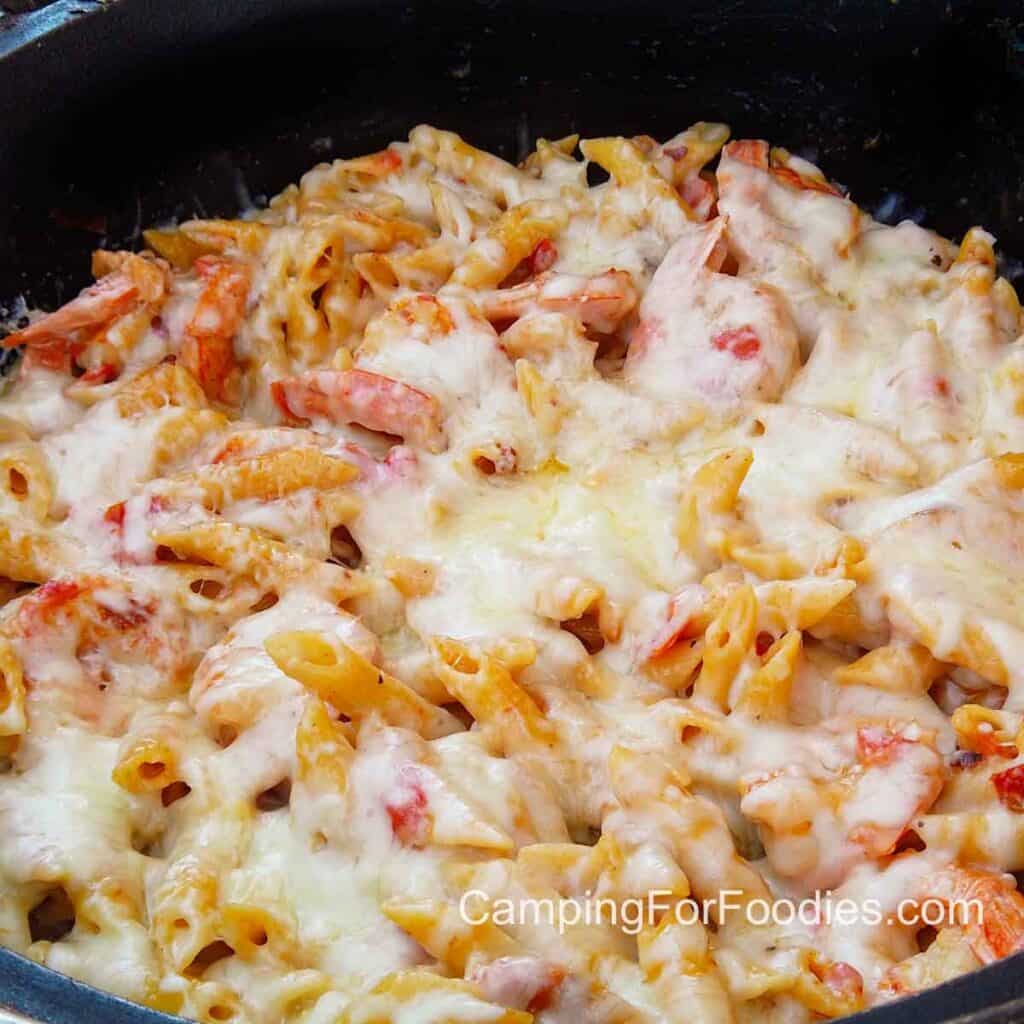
x=460, y=592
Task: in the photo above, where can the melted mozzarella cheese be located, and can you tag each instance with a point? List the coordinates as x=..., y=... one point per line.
x=873, y=374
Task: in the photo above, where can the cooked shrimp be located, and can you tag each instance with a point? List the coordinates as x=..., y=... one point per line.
x=75, y=632
x=399, y=464
x=542, y=258
x=782, y=166
x=843, y=980
x=681, y=622
x=774, y=212
x=706, y=335
x=103, y=611
x=368, y=399
x=207, y=351
x=681, y=159
x=602, y=301
x=521, y=982
x=892, y=762
x=819, y=823
x=949, y=956
x=376, y=165
x=986, y=906
x=55, y=339
x=748, y=151
x=699, y=195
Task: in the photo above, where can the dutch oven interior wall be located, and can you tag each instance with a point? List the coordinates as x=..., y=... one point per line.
x=153, y=114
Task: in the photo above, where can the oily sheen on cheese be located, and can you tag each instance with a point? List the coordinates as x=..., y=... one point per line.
x=457, y=592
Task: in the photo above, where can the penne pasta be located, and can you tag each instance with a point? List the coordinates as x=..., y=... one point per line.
x=460, y=590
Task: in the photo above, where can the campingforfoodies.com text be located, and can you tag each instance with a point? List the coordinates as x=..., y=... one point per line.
x=633, y=914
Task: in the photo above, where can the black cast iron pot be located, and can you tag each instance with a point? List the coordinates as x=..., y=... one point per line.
x=121, y=114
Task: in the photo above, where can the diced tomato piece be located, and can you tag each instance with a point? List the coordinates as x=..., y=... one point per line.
x=543, y=257
x=103, y=374
x=130, y=616
x=115, y=516
x=876, y=745
x=40, y=607
x=53, y=594
x=410, y=821
x=763, y=642
x=740, y=342
x=1009, y=785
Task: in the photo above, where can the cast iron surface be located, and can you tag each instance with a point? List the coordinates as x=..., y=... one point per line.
x=137, y=111
x=118, y=115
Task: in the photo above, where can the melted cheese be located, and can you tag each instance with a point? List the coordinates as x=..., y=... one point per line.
x=542, y=523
